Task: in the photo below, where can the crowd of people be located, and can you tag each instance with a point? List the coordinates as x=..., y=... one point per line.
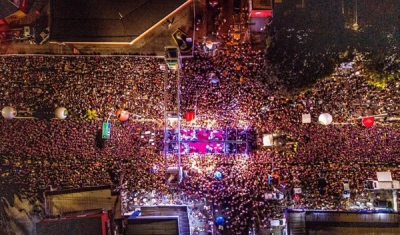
x=37, y=83
x=38, y=155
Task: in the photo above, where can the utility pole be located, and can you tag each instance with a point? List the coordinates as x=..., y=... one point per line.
x=355, y=25
x=172, y=94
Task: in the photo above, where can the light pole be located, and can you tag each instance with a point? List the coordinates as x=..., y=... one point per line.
x=355, y=25
x=173, y=61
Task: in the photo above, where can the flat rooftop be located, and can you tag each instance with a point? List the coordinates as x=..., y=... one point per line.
x=7, y=8
x=107, y=21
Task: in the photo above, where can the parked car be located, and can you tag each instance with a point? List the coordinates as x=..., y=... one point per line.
x=27, y=31
x=346, y=188
x=277, y=222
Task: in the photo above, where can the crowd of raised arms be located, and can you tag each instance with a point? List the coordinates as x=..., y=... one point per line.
x=37, y=155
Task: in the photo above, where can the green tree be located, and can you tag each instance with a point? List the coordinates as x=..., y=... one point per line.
x=306, y=43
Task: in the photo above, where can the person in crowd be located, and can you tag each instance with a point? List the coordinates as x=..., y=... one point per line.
x=38, y=155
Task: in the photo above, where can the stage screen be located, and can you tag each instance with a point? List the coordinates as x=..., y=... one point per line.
x=203, y=141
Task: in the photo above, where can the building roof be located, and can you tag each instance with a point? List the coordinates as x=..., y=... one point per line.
x=261, y=4
x=7, y=8
x=102, y=21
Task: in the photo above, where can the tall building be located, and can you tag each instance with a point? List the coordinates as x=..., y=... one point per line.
x=260, y=13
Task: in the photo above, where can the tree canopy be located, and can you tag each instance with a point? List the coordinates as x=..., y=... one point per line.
x=307, y=43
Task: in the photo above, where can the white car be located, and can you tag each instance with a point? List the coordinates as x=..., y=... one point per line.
x=27, y=31
x=346, y=188
x=277, y=222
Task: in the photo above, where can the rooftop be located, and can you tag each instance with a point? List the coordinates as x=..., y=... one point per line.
x=107, y=21
x=7, y=8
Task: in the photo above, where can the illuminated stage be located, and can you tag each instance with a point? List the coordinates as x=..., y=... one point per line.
x=202, y=140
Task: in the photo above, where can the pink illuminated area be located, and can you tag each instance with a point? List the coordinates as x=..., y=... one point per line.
x=261, y=13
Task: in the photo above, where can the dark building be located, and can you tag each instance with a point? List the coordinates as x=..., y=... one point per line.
x=105, y=22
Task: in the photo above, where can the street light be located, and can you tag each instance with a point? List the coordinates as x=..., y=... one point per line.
x=355, y=25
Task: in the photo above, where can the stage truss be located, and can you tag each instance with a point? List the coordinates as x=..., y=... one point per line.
x=172, y=113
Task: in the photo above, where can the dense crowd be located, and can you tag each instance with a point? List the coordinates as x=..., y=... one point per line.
x=39, y=155
x=80, y=83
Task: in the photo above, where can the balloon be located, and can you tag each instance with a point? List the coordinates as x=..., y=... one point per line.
x=61, y=113
x=217, y=175
x=213, y=78
x=209, y=44
x=325, y=119
x=122, y=115
x=189, y=116
x=368, y=121
x=220, y=221
x=9, y=112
